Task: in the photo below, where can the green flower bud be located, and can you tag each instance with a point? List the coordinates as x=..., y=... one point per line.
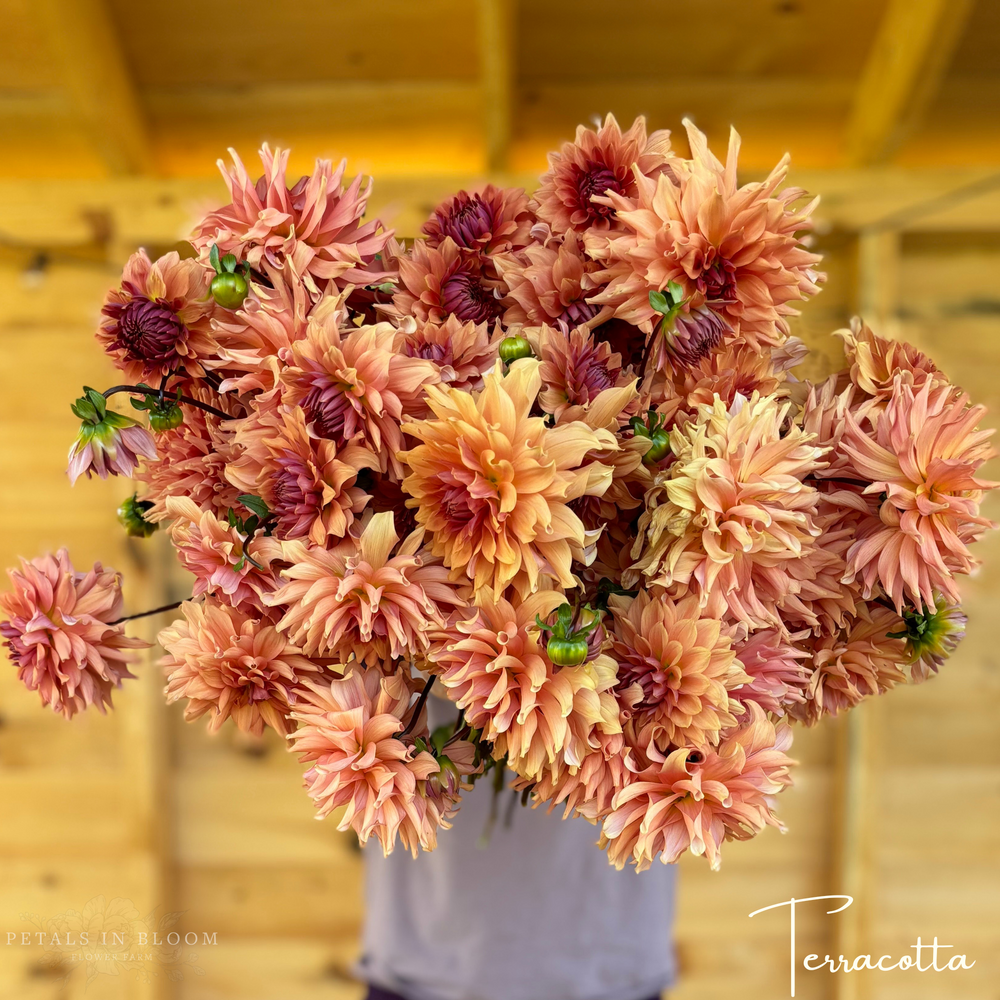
x=132, y=516
x=513, y=348
x=166, y=418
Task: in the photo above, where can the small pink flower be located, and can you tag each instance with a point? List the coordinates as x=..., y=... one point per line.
x=61, y=632
x=108, y=443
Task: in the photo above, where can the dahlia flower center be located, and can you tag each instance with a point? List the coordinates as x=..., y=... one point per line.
x=659, y=682
x=578, y=312
x=468, y=222
x=597, y=179
x=718, y=281
x=455, y=505
x=294, y=495
x=326, y=409
x=149, y=331
x=463, y=295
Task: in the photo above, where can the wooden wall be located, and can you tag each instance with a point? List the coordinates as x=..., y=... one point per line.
x=142, y=806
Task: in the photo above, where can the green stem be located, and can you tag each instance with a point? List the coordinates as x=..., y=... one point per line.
x=136, y=390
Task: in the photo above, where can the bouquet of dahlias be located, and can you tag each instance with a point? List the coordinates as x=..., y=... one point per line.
x=553, y=459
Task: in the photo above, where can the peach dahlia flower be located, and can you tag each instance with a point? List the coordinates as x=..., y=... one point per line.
x=361, y=599
x=461, y=353
x=494, y=667
x=676, y=669
x=231, y=665
x=596, y=162
x=308, y=484
x=312, y=229
x=923, y=455
x=734, y=249
x=356, y=387
x=732, y=511
x=695, y=799
x=490, y=221
x=492, y=483
x=864, y=658
x=347, y=733
x=61, y=635
x=158, y=319
x=221, y=559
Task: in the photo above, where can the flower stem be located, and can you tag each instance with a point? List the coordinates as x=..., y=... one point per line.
x=419, y=707
x=108, y=393
x=146, y=614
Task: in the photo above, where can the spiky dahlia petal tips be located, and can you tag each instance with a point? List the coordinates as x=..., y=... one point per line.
x=492, y=483
x=922, y=460
x=695, y=799
x=572, y=195
x=676, y=669
x=736, y=250
x=495, y=668
x=356, y=387
x=490, y=221
x=361, y=598
x=312, y=229
x=61, y=632
x=732, y=511
x=231, y=665
x=308, y=484
x=347, y=732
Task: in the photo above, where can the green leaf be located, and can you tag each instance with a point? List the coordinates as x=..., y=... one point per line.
x=213, y=258
x=229, y=263
x=676, y=292
x=84, y=409
x=659, y=302
x=255, y=504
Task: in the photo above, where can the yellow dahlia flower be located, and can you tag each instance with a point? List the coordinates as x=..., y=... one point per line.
x=493, y=483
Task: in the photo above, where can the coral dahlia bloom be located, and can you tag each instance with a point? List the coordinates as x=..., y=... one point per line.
x=732, y=511
x=254, y=340
x=347, y=733
x=221, y=559
x=492, y=482
x=596, y=162
x=734, y=249
x=923, y=454
x=777, y=670
x=308, y=484
x=461, y=353
x=490, y=221
x=61, y=634
x=495, y=669
x=550, y=284
x=158, y=320
x=676, y=670
x=437, y=282
x=875, y=362
x=864, y=658
x=734, y=369
x=360, y=599
x=356, y=387
x=231, y=665
x=698, y=798
x=312, y=230
x=575, y=369
x=191, y=461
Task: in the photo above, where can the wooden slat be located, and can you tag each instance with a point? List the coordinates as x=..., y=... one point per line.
x=96, y=75
x=497, y=75
x=909, y=56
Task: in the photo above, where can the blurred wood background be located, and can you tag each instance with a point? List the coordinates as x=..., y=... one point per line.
x=112, y=115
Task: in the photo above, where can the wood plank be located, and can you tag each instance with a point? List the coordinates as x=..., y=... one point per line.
x=96, y=75
x=497, y=74
x=908, y=58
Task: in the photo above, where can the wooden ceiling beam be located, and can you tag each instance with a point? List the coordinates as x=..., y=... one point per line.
x=908, y=59
x=497, y=73
x=99, y=86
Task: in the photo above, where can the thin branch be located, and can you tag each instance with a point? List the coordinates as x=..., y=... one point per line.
x=419, y=707
x=146, y=614
x=136, y=390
